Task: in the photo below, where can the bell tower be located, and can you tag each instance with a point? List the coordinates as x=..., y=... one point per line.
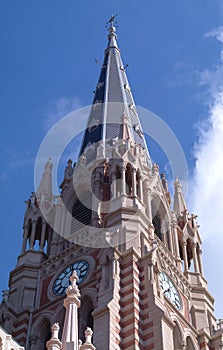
x=136, y=252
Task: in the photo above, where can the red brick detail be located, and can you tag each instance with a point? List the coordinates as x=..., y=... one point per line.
x=147, y=325
x=132, y=342
x=44, y=298
x=22, y=330
x=144, y=316
x=148, y=336
x=128, y=302
x=20, y=323
x=126, y=313
x=148, y=347
x=128, y=265
x=143, y=306
x=129, y=291
x=143, y=296
x=126, y=323
x=22, y=341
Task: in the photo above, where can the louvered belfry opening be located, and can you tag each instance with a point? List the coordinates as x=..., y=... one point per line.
x=81, y=211
x=157, y=226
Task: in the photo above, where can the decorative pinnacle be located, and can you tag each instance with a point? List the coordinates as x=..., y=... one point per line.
x=73, y=288
x=55, y=330
x=88, y=335
x=48, y=165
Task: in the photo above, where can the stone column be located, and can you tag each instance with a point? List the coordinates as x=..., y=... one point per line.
x=134, y=192
x=140, y=187
x=123, y=186
x=184, y=243
x=147, y=193
x=54, y=343
x=88, y=344
x=25, y=236
x=33, y=234
x=96, y=198
x=43, y=235
x=200, y=261
x=176, y=240
x=194, y=252
x=113, y=185
x=71, y=303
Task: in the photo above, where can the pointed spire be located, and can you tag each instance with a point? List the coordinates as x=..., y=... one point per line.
x=179, y=201
x=112, y=99
x=45, y=186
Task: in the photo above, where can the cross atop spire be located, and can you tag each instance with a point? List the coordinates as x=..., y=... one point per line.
x=112, y=22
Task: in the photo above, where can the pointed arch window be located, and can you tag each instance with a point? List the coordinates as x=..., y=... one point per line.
x=85, y=316
x=177, y=338
x=157, y=225
x=128, y=180
x=44, y=334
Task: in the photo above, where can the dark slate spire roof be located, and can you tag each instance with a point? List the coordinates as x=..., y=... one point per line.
x=113, y=110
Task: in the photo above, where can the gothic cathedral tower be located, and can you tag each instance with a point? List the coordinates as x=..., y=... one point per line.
x=138, y=257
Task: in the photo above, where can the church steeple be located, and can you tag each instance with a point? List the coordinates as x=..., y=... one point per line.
x=113, y=99
x=138, y=261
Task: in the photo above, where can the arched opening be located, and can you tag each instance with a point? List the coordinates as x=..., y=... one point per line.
x=156, y=216
x=38, y=234
x=29, y=225
x=81, y=211
x=85, y=316
x=157, y=225
x=128, y=179
x=46, y=245
x=177, y=339
x=138, y=189
x=44, y=334
x=189, y=253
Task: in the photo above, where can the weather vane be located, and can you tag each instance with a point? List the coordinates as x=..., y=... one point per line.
x=111, y=22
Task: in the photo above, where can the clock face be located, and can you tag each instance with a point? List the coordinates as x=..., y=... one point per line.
x=63, y=280
x=170, y=291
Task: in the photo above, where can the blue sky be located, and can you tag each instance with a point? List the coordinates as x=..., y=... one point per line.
x=48, y=52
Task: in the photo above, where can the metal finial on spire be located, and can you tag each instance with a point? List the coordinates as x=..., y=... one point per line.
x=111, y=22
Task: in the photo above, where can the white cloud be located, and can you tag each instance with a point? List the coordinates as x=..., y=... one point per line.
x=206, y=190
x=58, y=109
x=207, y=183
x=206, y=187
